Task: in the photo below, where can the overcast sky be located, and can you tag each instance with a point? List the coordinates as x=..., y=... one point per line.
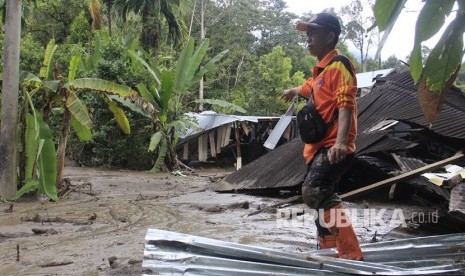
x=400, y=41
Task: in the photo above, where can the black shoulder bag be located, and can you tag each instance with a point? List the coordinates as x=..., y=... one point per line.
x=312, y=127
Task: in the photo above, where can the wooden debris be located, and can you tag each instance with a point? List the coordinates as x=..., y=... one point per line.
x=294, y=199
x=56, y=264
x=402, y=177
x=39, y=231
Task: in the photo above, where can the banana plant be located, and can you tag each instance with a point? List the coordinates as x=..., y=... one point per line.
x=52, y=92
x=167, y=93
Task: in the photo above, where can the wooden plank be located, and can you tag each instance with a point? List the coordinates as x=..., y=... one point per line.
x=227, y=135
x=245, y=128
x=185, y=152
x=402, y=177
x=203, y=148
x=219, y=138
x=238, y=146
x=211, y=138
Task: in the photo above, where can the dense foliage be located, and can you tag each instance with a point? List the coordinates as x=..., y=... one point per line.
x=265, y=56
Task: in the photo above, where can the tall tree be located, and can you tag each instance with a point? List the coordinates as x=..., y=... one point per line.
x=10, y=87
x=359, y=29
x=152, y=13
x=52, y=18
x=109, y=5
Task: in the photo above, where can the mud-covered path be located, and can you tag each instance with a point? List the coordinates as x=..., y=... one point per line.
x=98, y=227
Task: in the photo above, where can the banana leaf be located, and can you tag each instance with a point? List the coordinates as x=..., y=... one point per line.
x=119, y=115
x=149, y=68
x=161, y=156
x=127, y=103
x=84, y=134
x=386, y=13
x=32, y=145
x=47, y=162
x=209, y=66
x=28, y=79
x=195, y=61
x=31, y=185
x=166, y=90
x=155, y=140
x=46, y=71
x=78, y=109
x=51, y=86
x=73, y=67
x=182, y=66
x=101, y=86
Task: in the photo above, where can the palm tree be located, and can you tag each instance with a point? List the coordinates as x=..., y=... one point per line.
x=152, y=12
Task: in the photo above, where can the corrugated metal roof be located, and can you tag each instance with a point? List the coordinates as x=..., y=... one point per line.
x=396, y=98
x=393, y=97
x=282, y=167
x=175, y=253
x=208, y=120
x=368, y=79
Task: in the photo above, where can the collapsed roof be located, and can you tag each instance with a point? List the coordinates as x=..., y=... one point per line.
x=390, y=120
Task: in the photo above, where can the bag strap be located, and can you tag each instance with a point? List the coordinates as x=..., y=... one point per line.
x=346, y=62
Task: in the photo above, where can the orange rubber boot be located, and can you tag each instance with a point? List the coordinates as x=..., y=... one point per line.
x=340, y=226
x=327, y=241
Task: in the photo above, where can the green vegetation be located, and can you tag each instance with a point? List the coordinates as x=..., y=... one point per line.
x=113, y=78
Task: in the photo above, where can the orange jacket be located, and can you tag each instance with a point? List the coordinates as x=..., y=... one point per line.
x=335, y=87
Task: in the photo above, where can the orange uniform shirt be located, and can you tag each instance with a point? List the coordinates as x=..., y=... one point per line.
x=333, y=87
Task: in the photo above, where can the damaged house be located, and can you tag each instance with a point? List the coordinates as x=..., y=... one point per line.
x=395, y=144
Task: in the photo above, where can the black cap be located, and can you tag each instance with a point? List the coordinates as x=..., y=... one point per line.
x=321, y=20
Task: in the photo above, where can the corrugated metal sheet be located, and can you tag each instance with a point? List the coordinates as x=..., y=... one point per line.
x=208, y=120
x=279, y=129
x=282, y=167
x=397, y=99
x=175, y=253
x=367, y=79
x=377, y=142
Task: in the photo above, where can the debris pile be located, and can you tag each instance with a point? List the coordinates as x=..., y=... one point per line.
x=175, y=253
x=400, y=155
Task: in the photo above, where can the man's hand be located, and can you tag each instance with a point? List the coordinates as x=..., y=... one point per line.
x=337, y=153
x=289, y=94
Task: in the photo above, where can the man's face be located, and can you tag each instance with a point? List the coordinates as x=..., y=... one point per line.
x=318, y=41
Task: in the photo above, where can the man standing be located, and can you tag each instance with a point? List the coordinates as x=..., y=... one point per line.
x=333, y=88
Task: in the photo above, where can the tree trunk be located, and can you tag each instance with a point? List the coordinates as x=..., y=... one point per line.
x=61, y=152
x=8, y=132
x=109, y=19
x=171, y=160
x=22, y=155
x=202, y=37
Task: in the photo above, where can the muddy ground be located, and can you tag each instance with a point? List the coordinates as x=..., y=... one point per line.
x=98, y=226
